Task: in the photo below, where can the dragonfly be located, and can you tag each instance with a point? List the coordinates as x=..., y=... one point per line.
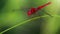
x=34, y=10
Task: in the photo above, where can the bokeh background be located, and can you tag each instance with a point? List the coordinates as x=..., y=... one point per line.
x=14, y=12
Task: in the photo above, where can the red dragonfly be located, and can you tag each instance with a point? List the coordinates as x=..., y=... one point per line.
x=34, y=10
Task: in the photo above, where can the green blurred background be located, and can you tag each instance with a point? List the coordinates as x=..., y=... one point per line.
x=14, y=12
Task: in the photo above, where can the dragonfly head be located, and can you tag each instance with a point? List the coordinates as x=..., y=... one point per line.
x=31, y=11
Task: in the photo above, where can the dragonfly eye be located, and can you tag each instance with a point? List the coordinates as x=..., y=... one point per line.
x=31, y=11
